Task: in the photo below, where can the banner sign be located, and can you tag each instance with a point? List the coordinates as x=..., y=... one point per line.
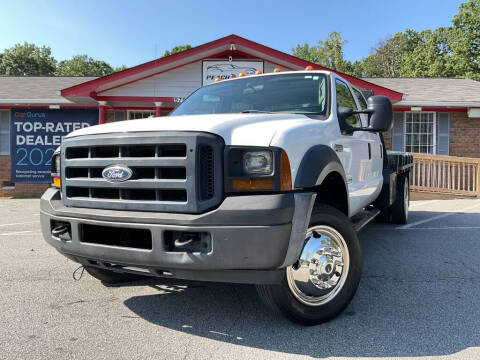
x=36, y=134
x=225, y=69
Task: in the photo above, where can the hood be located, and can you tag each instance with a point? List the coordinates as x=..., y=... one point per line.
x=235, y=129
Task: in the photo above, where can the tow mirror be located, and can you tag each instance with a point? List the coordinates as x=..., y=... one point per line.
x=380, y=113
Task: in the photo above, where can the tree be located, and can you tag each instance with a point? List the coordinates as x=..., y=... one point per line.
x=27, y=59
x=306, y=52
x=177, y=49
x=386, y=58
x=427, y=54
x=445, y=51
x=464, y=41
x=120, y=68
x=407, y=54
x=327, y=52
x=330, y=52
x=83, y=65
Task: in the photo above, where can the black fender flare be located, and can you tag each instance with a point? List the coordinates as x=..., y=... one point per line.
x=319, y=161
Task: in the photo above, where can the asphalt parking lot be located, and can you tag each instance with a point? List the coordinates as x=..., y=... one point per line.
x=419, y=297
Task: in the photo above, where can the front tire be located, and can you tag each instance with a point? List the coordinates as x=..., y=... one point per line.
x=323, y=282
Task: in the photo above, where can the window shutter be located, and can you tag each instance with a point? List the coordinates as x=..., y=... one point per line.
x=398, y=132
x=4, y=132
x=443, y=131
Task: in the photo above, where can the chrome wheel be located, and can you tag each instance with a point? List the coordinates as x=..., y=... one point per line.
x=322, y=269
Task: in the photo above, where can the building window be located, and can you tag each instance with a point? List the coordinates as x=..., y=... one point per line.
x=140, y=114
x=420, y=132
x=4, y=132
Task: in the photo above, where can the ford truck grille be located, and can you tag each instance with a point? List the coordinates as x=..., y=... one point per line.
x=170, y=171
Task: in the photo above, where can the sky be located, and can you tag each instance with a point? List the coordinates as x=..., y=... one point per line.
x=133, y=32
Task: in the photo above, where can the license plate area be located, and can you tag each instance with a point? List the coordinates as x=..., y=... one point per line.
x=116, y=236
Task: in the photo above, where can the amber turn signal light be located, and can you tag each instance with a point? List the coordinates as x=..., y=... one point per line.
x=285, y=172
x=56, y=181
x=258, y=72
x=309, y=67
x=277, y=69
x=241, y=74
x=252, y=184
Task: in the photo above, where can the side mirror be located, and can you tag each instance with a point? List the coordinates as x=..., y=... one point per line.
x=380, y=113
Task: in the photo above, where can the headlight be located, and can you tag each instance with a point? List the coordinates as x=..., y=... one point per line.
x=258, y=162
x=256, y=169
x=55, y=169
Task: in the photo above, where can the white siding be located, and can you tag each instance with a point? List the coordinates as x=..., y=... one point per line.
x=268, y=67
x=179, y=82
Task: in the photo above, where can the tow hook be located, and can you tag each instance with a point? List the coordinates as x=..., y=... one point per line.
x=62, y=232
x=187, y=241
x=184, y=240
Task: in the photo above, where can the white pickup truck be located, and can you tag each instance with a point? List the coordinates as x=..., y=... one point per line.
x=262, y=179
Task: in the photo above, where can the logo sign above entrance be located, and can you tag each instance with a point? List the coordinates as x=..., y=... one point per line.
x=225, y=69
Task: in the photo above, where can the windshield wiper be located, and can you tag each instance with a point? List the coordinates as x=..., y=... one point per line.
x=253, y=111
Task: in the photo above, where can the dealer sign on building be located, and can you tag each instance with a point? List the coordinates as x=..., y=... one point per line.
x=34, y=136
x=224, y=69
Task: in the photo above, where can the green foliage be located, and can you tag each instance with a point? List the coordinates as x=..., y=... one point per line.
x=306, y=52
x=327, y=52
x=120, y=68
x=426, y=54
x=408, y=54
x=27, y=59
x=83, y=65
x=443, y=52
x=464, y=40
x=177, y=49
x=446, y=51
x=31, y=60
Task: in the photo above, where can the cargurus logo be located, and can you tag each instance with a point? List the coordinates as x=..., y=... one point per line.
x=117, y=173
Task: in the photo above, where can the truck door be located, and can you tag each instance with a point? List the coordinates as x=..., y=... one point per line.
x=375, y=167
x=356, y=152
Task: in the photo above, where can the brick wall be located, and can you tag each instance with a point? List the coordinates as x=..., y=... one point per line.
x=21, y=190
x=464, y=135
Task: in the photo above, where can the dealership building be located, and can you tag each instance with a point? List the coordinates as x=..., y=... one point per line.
x=437, y=116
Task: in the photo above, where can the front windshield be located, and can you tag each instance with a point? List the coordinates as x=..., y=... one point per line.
x=289, y=93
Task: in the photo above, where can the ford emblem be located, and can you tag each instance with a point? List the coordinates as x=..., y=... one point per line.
x=117, y=173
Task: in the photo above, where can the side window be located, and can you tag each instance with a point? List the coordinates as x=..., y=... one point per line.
x=345, y=98
x=362, y=102
x=360, y=98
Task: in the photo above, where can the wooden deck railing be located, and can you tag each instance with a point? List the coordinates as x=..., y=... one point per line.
x=446, y=174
